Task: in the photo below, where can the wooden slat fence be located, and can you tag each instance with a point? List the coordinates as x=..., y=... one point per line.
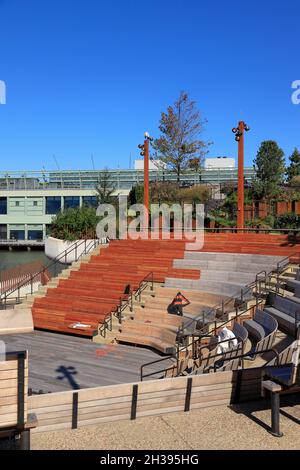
x=67, y=410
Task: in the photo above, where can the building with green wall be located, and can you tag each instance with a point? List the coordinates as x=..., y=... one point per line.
x=29, y=200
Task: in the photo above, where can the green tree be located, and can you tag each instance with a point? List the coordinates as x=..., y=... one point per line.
x=294, y=168
x=105, y=188
x=270, y=169
x=136, y=195
x=179, y=144
x=75, y=224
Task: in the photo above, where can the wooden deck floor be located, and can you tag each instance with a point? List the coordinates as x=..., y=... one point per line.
x=59, y=362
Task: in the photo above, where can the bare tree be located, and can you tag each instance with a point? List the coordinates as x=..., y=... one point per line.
x=179, y=144
x=105, y=188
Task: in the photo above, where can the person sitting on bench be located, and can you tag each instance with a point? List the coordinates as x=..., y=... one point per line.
x=177, y=304
x=226, y=334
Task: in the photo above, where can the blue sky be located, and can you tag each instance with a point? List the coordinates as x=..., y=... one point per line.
x=90, y=76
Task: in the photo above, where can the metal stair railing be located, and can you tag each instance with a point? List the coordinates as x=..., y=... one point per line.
x=87, y=247
x=194, y=345
x=254, y=288
x=201, y=333
x=126, y=301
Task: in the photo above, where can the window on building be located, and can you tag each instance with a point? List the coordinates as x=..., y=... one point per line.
x=70, y=202
x=3, y=205
x=89, y=201
x=17, y=203
x=3, y=232
x=35, y=203
x=53, y=204
x=35, y=235
x=17, y=234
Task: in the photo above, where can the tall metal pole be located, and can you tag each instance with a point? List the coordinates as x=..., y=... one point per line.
x=146, y=175
x=241, y=196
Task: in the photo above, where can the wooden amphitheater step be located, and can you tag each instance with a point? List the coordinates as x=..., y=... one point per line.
x=102, y=278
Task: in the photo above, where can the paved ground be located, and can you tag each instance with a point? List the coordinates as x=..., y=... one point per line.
x=239, y=427
x=60, y=362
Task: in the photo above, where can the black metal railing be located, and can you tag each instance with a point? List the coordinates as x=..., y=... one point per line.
x=246, y=356
x=254, y=289
x=220, y=310
x=126, y=301
x=79, y=249
x=194, y=345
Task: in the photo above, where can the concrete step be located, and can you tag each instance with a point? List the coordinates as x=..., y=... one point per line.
x=216, y=287
x=232, y=266
x=225, y=276
x=233, y=257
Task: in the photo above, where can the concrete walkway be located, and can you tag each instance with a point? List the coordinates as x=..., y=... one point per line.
x=238, y=427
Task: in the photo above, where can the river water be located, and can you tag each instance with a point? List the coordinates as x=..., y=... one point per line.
x=10, y=259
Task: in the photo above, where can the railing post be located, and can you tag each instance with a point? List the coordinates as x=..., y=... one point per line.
x=275, y=413
x=21, y=390
x=131, y=302
x=31, y=284
x=120, y=312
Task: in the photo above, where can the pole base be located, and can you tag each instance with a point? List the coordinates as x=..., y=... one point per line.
x=275, y=434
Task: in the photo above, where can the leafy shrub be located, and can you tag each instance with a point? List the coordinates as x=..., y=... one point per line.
x=198, y=194
x=288, y=221
x=75, y=224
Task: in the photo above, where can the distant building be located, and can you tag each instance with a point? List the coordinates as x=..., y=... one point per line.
x=153, y=165
x=29, y=200
x=219, y=162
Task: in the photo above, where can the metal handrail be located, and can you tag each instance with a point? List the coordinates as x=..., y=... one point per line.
x=199, y=337
x=143, y=376
x=245, y=356
x=213, y=309
x=92, y=244
x=252, y=285
x=107, y=324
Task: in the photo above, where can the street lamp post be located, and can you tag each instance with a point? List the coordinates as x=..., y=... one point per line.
x=145, y=153
x=239, y=137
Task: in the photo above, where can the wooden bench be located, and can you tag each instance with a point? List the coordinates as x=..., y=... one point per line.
x=234, y=364
x=279, y=379
x=165, y=320
x=147, y=335
x=285, y=311
x=15, y=422
x=262, y=329
x=210, y=360
x=179, y=368
x=285, y=357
